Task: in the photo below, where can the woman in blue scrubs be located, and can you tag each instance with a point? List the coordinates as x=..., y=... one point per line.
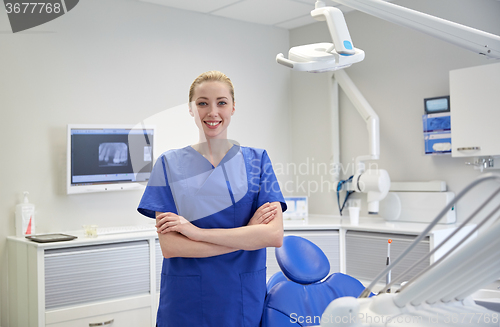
x=218, y=205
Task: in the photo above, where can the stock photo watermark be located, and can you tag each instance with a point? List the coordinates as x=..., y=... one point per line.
x=307, y=177
x=24, y=15
x=464, y=318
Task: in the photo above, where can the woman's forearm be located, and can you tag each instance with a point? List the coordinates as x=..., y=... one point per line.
x=178, y=239
x=248, y=238
x=177, y=245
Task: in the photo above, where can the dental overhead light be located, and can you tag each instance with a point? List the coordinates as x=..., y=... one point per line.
x=323, y=57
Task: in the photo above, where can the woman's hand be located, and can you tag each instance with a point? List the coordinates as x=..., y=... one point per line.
x=263, y=215
x=170, y=222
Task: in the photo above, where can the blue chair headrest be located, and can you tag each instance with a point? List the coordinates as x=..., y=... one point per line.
x=301, y=260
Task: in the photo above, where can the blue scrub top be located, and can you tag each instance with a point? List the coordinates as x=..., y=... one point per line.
x=224, y=290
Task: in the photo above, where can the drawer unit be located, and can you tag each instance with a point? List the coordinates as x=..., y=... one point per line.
x=366, y=254
x=131, y=311
x=108, y=281
x=138, y=317
x=92, y=273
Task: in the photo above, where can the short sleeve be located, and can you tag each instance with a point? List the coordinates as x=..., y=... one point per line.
x=157, y=196
x=270, y=190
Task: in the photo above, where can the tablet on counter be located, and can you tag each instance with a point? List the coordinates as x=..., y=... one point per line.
x=46, y=238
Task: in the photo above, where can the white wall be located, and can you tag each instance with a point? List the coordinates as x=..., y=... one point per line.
x=401, y=68
x=122, y=61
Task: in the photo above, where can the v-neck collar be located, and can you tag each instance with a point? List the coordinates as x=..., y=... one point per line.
x=229, y=154
x=213, y=189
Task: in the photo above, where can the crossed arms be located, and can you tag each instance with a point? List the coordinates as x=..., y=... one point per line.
x=179, y=238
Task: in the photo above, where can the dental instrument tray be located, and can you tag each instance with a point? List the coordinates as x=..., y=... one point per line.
x=46, y=238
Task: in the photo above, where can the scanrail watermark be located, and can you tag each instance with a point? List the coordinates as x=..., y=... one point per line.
x=451, y=318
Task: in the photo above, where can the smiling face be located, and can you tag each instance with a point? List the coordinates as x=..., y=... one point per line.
x=212, y=106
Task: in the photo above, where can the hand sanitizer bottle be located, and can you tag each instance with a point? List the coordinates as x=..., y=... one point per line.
x=25, y=217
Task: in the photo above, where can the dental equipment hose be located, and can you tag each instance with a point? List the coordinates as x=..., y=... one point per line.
x=456, y=245
x=340, y=184
x=428, y=255
x=479, y=180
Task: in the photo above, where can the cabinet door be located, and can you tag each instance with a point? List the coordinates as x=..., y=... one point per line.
x=328, y=241
x=475, y=111
x=366, y=254
x=79, y=275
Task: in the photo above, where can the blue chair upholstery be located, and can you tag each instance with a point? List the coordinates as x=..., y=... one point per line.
x=301, y=260
x=303, y=297
x=275, y=279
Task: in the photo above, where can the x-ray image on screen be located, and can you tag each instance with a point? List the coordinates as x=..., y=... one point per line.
x=108, y=157
x=113, y=154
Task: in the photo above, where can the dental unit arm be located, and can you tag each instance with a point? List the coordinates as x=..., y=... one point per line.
x=374, y=182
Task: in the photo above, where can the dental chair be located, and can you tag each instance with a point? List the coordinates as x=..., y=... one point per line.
x=298, y=295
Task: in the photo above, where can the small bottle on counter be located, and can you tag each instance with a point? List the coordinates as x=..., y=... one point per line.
x=25, y=217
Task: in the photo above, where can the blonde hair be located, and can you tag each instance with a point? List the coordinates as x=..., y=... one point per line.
x=211, y=76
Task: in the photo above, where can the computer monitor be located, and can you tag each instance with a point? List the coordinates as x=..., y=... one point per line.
x=437, y=104
x=104, y=158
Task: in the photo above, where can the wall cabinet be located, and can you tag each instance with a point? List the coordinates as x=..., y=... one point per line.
x=475, y=111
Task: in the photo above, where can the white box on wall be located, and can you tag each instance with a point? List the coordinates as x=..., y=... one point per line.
x=419, y=207
x=297, y=208
x=475, y=103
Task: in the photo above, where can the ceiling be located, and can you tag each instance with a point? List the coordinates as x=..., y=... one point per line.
x=286, y=14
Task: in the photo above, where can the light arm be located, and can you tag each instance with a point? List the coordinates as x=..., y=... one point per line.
x=337, y=26
x=374, y=182
x=369, y=116
x=463, y=36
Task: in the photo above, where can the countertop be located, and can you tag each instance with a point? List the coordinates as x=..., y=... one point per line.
x=312, y=222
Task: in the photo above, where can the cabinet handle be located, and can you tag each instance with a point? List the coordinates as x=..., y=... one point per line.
x=470, y=148
x=104, y=323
